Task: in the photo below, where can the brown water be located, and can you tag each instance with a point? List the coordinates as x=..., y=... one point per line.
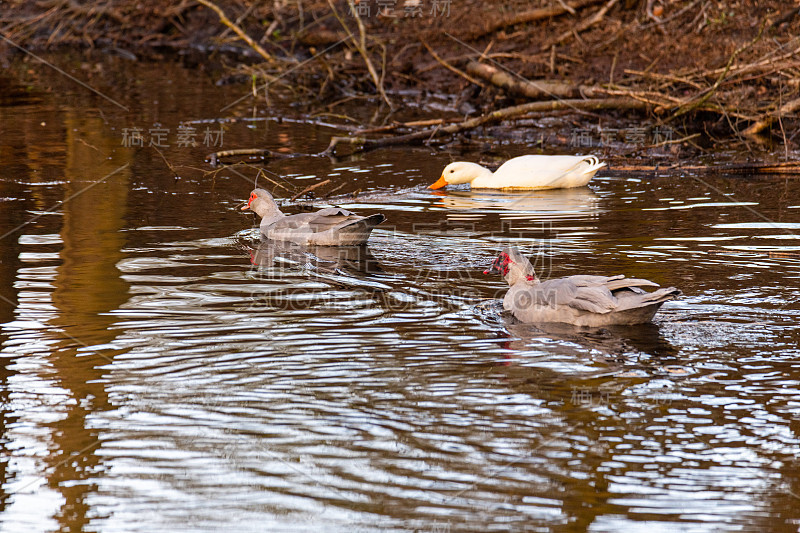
x=162, y=372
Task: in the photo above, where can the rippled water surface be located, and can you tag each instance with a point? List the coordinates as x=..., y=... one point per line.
x=165, y=371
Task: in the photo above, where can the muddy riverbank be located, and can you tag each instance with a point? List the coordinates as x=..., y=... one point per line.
x=638, y=78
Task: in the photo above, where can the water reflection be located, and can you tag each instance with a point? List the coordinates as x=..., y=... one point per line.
x=165, y=372
x=350, y=260
x=579, y=202
x=633, y=342
x=62, y=324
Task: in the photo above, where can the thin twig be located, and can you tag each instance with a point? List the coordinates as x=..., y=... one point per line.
x=263, y=154
x=583, y=26
x=262, y=174
x=236, y=29
x=694, y=105
x=450, y=67
x=169, y=165
x=361, y=46
x=675, y=141
x=665, y=77
x=337, y=188
x=412, y=124
x=309, y=189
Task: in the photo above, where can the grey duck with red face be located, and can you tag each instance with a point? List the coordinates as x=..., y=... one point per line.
x=331, y=226
x=593, y=301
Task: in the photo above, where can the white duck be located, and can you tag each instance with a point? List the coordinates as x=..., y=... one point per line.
x=524, y=172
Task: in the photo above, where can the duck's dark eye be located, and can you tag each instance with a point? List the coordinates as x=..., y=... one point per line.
x=451, y=171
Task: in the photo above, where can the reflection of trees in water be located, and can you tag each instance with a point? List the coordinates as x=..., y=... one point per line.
x=86, y=285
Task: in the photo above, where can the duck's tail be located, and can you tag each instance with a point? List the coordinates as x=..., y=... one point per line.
x=638, y=307
x=594, y=164
x=578, y=174
x=357, y=231
x=632, y=297
x=662, y=295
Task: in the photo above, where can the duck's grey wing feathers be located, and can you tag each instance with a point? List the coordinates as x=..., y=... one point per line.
x=291, y=222
x=628, y=283
x=553, y=292
x=320, y=221
x=334, y=211
x=595, y=299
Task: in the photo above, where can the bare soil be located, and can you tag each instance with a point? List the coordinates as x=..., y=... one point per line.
x=728, y=70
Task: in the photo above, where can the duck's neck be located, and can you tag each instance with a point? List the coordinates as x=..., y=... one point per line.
x=522, y=274
x=482, y=175
x=268, y=211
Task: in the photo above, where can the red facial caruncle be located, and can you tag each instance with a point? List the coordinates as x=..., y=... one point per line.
x=253, y=196
x=500, y=264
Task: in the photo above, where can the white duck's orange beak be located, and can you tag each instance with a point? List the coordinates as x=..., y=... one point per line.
x=439, y=183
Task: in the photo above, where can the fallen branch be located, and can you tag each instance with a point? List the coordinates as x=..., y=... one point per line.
x=535, y=90
x=531, y=16
x=263, y=154
x=766, y=122
x=791, y=167
x=412, y=124
x=364, y=143
x=649, y=97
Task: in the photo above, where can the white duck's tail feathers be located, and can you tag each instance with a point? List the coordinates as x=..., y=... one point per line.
x=594, y=163
x=578, y=174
